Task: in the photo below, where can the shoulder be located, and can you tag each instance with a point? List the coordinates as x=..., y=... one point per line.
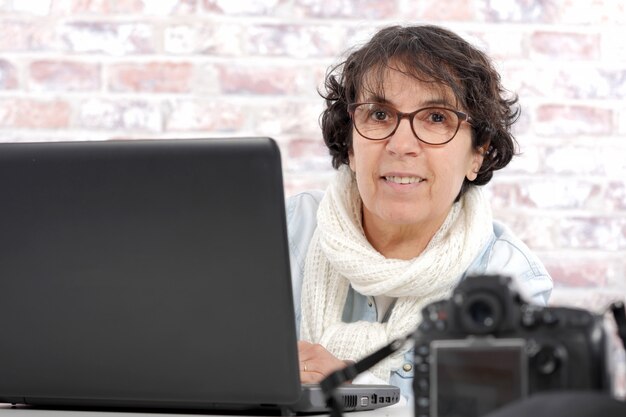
x=509, y=250
x=301, y=211
x=303, y=203
x=508, y=255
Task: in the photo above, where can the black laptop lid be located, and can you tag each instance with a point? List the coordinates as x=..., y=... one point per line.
x=125, y=265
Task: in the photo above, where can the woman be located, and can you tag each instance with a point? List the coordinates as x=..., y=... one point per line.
x=415, y=121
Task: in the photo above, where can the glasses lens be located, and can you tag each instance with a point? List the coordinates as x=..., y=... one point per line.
x=435, y=125
x=374, y=121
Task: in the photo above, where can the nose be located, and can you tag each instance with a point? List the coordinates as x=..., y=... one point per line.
x=403, y=141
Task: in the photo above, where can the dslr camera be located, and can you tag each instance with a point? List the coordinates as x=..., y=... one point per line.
x=485, y=347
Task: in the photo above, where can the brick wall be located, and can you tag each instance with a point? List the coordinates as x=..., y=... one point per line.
x=98, y=69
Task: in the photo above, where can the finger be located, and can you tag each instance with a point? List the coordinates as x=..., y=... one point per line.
x=309, y=373
x=304, y=350
x=305, y=366
x=311, y=377
x=303, y=344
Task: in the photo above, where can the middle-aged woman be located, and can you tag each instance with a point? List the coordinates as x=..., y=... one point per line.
x=415, y=120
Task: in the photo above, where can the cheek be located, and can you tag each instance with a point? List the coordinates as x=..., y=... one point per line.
x=452, y=174
x=455, y=177
x=358, y=155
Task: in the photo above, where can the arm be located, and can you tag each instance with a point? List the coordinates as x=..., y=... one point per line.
x=510, y=256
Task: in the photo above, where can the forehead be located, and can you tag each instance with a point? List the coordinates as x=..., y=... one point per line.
x=392, y=84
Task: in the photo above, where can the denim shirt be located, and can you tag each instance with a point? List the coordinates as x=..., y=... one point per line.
x=504, y=254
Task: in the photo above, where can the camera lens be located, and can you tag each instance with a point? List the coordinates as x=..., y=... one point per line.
x=480, y=313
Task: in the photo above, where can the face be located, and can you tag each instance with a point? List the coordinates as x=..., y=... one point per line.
x=402, y=181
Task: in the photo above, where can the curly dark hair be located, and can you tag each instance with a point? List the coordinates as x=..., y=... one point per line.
x=429, y=54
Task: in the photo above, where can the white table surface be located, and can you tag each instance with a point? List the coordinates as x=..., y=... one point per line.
x=6, y=410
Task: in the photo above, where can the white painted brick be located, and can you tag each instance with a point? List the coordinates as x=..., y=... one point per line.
x=35, y=7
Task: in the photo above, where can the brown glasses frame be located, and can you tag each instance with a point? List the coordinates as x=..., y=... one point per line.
x=463, y=117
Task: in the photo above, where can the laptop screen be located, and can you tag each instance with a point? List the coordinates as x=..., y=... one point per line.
x=145, y=271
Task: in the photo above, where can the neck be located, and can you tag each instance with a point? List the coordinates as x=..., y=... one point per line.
x=398, y=241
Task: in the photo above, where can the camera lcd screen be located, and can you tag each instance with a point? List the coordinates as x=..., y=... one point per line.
x=471, y=377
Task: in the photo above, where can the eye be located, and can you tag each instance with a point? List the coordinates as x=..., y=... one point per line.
x=378, y=114
x=437, y=117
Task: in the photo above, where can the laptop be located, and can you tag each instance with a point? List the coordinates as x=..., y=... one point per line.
x=151, y=274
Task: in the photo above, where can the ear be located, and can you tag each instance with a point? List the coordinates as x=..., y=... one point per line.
x=477, y=162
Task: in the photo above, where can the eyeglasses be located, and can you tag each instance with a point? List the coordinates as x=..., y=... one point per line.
x=431, y=125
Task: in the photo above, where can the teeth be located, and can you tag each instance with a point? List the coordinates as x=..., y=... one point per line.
x=404, y=180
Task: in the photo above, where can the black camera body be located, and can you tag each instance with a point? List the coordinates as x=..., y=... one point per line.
x=486, y=347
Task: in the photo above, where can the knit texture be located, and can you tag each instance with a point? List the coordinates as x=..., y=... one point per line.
x=340, y=256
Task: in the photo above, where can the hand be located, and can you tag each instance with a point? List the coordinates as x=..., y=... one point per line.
x=316, y=362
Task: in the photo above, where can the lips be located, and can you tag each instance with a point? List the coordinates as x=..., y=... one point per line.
x=403, y=179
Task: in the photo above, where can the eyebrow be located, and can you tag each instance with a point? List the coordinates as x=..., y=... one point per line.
x=439, y=101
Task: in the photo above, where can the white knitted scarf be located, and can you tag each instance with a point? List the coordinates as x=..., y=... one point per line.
x=340, y=256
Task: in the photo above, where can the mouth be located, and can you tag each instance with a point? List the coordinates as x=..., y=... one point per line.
x=403, y=180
